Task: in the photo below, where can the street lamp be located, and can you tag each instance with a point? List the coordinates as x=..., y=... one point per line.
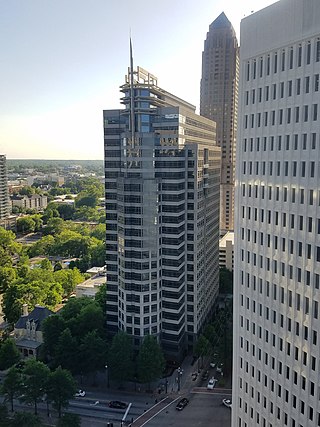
x=180, y=371
x=107, y=373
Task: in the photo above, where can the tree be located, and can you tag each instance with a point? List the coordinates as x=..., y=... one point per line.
x=37, y=221
x=150, y=361
x=27, y=191
x=69, y=420
x=67, y=354
x=61, y=388
x=99, y=232
x=7, y=276
x=52, y=328
x=202, y=348
x=66, y=211
x=9, y=354
x=8, y=247
x=54, y=226
x=11, y=303
x=46, y=265
x=26, y=224
x=120, y=357
x=4, y=416
x=25, y=419
x=11, y=386
x=93, y=351
x=101, y=298
x=68, y=279
x=41, y=247
x=35, y=377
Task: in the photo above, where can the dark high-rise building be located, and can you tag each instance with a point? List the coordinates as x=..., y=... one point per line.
x=162, y=170
x=218, y=102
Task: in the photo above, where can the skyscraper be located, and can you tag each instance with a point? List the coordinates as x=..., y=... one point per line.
x=219, y=102
x=4, y=193
x=162, y=172
x=277, y=248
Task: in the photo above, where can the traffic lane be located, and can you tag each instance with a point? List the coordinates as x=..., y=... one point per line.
x=203, y=410
x=97, y=406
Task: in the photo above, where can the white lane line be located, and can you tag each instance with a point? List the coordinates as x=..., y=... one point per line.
x=165, y=407
x=126, y=413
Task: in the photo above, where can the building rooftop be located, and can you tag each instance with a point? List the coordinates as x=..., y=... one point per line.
x=227, y=237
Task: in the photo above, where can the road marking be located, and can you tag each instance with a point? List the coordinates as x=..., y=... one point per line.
x=126, y=413
x=165, y=407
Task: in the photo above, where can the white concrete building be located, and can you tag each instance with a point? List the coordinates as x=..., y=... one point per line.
x=226, y=248
x=277, y=246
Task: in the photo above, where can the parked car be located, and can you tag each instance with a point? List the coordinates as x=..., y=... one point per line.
x=227, y=403
x=212, y=365
x=117, y=404
x=211, y=384
x=80, y=393
x=182, y=404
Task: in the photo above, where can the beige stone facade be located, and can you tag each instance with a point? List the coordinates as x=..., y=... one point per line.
x=218, y=102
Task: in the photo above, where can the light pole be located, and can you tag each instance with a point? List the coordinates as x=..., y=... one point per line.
x=180, y=371
x=107, y=373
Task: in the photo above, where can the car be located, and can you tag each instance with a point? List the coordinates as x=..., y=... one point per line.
x=227, y=403
x=80, y=393
x=117, y=404
x=212, y=365
x=182, y=404
x=211, y=383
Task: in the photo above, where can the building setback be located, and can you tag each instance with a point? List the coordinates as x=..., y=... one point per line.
x=276, y=365
x=219, y=102
x=162, y=170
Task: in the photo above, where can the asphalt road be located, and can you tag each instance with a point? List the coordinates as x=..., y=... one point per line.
x=204, y=409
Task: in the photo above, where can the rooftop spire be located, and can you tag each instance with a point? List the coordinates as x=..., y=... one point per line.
x=221, y=21
x=131, y=94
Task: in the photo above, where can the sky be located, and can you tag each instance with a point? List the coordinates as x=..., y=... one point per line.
x=62, y=62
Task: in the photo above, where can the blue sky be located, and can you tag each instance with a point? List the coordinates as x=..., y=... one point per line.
x=62, y=62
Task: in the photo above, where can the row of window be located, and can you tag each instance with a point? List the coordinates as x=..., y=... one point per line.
x=283, y=59
x=301, y=169
x=289, y=115
x=288, y=142
x=283, y=90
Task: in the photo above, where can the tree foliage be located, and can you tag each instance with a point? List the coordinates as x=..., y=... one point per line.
x=11, y=386
x=35, y=376
x=150, y=361
x=61, y=388
x=120, y=357
x=9, y=354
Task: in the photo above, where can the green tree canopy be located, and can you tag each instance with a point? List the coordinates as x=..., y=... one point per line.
x=150, y=361
x=93, y=351
x=7, y=277
x=120, y=357
x=35, y=376
x=61, y=388
x=52, y=328
x=26, y=224
x=69, y=420
x=9, y=354
x=12, y=385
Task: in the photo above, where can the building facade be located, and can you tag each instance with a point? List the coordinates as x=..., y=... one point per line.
x=4, y=194
x=35, y=201
x=219, y=102
x=277, y=246
x=162, y=170
x=226, y=251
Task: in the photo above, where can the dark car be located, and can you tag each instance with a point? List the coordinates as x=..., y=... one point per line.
x=117, y=404
x=182, y=404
